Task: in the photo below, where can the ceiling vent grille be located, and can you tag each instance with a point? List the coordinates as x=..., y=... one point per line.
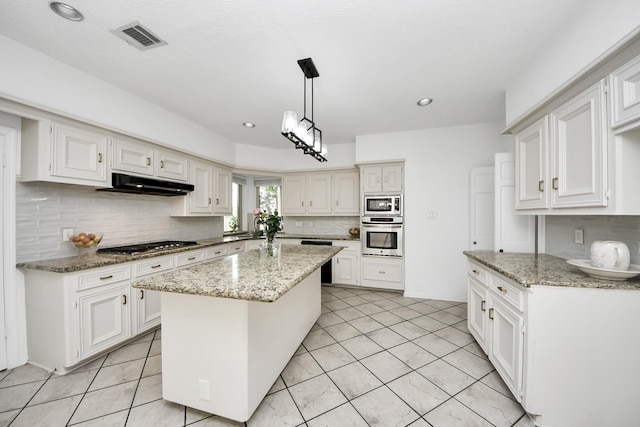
x=138, y=36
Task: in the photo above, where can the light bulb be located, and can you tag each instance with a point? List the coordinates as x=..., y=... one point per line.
x=301, y=131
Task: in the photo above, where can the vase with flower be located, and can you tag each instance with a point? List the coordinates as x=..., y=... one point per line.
x=268, y=224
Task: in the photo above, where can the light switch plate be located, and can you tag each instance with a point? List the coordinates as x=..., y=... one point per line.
x=578, y=237
x=66, y=233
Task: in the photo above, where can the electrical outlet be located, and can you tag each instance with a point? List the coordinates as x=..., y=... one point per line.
x=578, y=236
x=204, y=389
x=432, y=215
x=299, y=224
x=66, y=233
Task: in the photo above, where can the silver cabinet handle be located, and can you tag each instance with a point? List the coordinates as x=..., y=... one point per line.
x=554, y=183
x=541, y=186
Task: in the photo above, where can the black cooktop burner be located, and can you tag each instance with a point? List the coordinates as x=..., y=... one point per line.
x=142, y=248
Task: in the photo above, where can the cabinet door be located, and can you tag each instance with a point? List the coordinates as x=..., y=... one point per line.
x=131, y=156
x=578, y=144
x=319, y=193
x=371, y=179
x=382, y=272
x=147, y=309
x=79, y=153
x=222, y=185
x=345, y=268
x=392, y=179
x=625, y=93
x=531, y=166
x=293, y=194
x=346, y=193
x=477, y=312
x=506, y=343
x=103, y=317
x=201, y=198
x=171, y=165
x=481, y=236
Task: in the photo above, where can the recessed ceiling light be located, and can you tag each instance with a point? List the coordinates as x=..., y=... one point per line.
x=248, y=125
x=424, y=101
x=66, y=11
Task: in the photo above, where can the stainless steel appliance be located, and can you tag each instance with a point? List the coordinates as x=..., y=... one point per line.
x=122, y=183
x=382, y=236
x=326, y=273
x=142, y=248
x=382, y=205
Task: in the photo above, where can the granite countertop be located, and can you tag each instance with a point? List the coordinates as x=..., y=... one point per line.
x=91, y=259
x=544, y=270
x=245, y=275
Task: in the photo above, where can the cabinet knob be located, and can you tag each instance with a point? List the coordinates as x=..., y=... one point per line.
x=475, y=243
x=541, y=186
x=475, y=271
x=554, y=183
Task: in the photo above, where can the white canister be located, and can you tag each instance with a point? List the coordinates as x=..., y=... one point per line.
x=610, y=255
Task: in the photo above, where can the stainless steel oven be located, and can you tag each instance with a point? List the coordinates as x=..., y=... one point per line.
x=382, y=236
x=382, y=205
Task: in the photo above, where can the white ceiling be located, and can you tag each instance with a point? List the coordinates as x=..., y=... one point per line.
x=227, y=62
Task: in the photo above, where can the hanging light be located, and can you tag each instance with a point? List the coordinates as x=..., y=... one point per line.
x=304, y=134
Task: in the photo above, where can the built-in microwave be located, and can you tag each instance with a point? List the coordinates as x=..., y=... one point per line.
x=382, y=205
x=382, y=236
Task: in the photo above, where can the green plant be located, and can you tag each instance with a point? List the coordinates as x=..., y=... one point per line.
x=233, y=224
x=272, y=223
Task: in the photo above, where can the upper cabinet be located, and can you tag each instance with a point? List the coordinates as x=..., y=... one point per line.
x=320, y=193
x=561, y=160
x=212, y=193
x=387, y=178
x=141, y=158
x=625, y=93
x=58, y=152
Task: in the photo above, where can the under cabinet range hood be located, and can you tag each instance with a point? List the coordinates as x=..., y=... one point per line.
x=134, y=184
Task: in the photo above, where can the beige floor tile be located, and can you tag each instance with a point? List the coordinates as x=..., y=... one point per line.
x=105, y=401
x=491, y=405
x=300, y=368
x=17, y=396
x=316, y=396
x=454, y=414
x=276, y=409
x=361, y=346
x=385, y=366
x=354, y=380
x=418, y=392
x=382, y=408
x=409, y=330
x=149, y=389
x=159, y=413
x=435, y=345
x=469, y=363
x=316, y=339
x=118, y=374
x=412, y=355
x=332, y=357
x=24, y=374
x=128, y=353
x=117, y=419
x=58, y=387
x=386, y=338
x=450, y=379
x=343, y=416
x=342, y=331
x=56, y=413
x=153, y=366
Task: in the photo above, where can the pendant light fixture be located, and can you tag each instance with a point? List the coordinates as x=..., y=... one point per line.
x=304, y=134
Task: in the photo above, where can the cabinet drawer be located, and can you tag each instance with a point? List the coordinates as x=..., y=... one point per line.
x=103, y=277
x=190, y=257
x=478, y=273
x=154, y=265
x=382, y=272
x=511, y=294
x=217, y=251
x=234, y=248
x=348, y=246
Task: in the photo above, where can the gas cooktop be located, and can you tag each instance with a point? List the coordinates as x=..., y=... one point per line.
x=143, y=248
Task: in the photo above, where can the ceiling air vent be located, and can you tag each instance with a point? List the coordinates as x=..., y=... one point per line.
x=138, y=36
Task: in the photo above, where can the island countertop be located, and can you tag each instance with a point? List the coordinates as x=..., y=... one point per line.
x=529, y=269
x=245, y=275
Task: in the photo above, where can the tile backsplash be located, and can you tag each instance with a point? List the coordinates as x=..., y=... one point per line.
x=320, y=225
x=559, y=234
x=43, y=209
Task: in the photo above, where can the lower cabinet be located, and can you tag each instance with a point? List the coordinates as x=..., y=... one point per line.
x=345, y=266
x=495, y=318
x=382, y=272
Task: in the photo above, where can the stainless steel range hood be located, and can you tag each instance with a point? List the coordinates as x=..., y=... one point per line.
x=137, y=185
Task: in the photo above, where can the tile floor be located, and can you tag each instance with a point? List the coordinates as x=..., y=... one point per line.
x=373, y=359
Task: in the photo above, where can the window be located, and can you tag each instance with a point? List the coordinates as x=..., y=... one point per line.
x=233, y=223
x=268, y=197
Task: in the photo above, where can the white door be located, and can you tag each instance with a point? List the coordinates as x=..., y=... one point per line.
x=481, y=236
x=513, y=233
x=3, y=342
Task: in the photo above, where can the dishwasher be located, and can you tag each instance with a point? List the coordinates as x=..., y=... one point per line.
x=325, y=270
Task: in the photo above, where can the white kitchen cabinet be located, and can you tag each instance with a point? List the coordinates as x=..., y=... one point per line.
x=482, y=207
x=171, y=165
x=495, y=318
x=321, y=193
x=201, y=198
x=382, y=272
x=185, y=259
x=103, y=318
x=236, y=247
x=59, y=152
x=133, y=156
x=346, y=193
x=318, y=191
x=565, y=166
x=383, y=178
x=147, y=310
x=217, y=251
x=250, y=245
x=579, y=150
x=345, y=265
x=625, y=93
x=531, y=166
x=222, y=190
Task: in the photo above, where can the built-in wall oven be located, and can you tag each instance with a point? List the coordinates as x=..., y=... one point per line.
x=382, y=236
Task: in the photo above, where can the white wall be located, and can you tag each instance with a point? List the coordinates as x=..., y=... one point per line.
x=34, y=79
x=437, y=166
x=595, y=27
x=288, y=158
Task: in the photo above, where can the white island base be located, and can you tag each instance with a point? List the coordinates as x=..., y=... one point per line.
x=222, y=355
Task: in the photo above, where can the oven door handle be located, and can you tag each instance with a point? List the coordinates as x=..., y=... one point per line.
x=368, y=225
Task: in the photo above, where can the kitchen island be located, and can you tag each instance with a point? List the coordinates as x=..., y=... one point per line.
x=230, y=326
